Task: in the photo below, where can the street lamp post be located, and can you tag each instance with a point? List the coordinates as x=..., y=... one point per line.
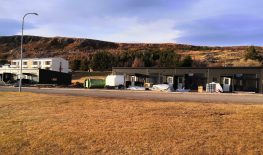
x=21, y=54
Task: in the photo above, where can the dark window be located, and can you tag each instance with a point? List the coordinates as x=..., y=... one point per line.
x=214, y=79
x=180, y=80
x=248, y=76
x=47, y=63
x=35, y=62
x=226, y=81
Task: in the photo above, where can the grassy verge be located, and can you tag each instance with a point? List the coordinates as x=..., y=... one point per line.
x=56, y=124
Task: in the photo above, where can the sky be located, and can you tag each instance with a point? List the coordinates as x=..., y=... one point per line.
x=196, y=22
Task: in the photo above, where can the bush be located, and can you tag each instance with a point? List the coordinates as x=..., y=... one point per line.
x=253, y=54
x=187, y=61
x=84, y=66
x=102, y=61
x=75, y=64
x=169, y=59
x=3, y=61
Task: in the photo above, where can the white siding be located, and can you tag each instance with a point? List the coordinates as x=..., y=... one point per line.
x=56, y=64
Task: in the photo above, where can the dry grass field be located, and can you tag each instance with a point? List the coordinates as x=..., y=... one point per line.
x=56, y=124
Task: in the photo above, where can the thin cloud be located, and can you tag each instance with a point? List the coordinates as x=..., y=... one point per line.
x=206, y=22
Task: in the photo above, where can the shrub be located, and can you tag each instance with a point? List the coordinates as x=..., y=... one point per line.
x=187, y=61
x=252, y=53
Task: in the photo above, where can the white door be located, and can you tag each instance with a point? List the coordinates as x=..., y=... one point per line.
x=180, y=83
x=170, y=80
x=133, y=80
x=226, y=84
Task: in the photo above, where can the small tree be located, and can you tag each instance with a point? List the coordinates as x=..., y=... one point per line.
x=101, y=61
x=75, y=64
x=3, y=61
x=252, y=53
x=187, y=61
x=169, y=59
x=84, y=66
x=138, y=63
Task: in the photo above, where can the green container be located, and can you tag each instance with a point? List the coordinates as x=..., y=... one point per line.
x=94, y=83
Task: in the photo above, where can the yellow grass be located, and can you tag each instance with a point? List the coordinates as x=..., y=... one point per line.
x=56, y=124
x=82, y=76
x=82, y=79
x=222, y=57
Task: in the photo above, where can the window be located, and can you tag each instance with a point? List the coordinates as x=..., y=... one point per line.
x=214, y=79
x=180, y=80
x=35, y=62
x=227, y=82
x=13, y=63
x=47, y=62
x=133, y=78
x=25, y=63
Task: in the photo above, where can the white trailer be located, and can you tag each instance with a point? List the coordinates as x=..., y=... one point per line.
x=115, y=81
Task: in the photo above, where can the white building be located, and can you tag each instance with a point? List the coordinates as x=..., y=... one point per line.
x=54, y=64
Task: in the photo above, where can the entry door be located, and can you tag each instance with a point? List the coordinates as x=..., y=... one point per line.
x=133, y=80
x=180, y=82
x=226, y=84
x=170, y=80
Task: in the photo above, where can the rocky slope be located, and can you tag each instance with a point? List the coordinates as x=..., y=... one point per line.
x=71, y=48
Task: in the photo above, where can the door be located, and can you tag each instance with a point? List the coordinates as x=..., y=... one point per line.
x=133, y=80
x=180, y=82
x=170, y=80
x=226, y=84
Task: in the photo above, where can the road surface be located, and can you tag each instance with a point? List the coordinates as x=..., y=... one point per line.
x=149, y=95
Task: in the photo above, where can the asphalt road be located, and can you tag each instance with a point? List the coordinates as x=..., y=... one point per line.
x=149, y=95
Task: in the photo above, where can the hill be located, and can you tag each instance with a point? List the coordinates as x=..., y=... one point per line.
x=78, y=48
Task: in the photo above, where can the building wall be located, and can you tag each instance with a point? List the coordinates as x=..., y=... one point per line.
x=56, y=64
x=53, y=77
x=27, y=73
x=60, y=65
x=37, y=76
x=209, y=73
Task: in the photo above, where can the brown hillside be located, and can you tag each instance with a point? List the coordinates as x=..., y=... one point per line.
x=71, y=48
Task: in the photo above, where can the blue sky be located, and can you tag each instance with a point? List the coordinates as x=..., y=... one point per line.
x=197, y=22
